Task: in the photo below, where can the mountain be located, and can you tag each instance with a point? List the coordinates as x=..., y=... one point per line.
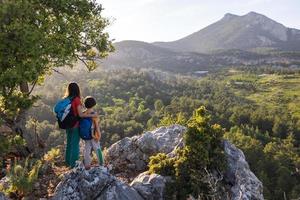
x=136, y=54
x=246, y=32
x=145, y=55
x=251, y=39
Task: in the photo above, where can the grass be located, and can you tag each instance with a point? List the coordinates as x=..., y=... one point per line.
x=269, y=90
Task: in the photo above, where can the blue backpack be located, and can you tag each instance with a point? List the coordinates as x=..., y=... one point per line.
x=85, y=128
x=64, y=113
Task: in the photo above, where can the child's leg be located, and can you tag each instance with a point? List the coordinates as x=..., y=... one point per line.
x=97, y=149
x=87, y=158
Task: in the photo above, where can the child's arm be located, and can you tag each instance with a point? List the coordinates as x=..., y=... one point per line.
x=97, y=133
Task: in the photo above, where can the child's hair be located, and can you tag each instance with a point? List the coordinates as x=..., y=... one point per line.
x=89, y=102
x=72, y=90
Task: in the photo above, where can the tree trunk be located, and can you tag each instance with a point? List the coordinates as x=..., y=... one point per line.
x=24, y=87
x=20, y=123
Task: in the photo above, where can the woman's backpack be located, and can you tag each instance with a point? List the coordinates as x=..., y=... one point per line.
x=64, y=114
x=86, y=128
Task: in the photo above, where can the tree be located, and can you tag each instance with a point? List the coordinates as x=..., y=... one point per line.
x=36, y=36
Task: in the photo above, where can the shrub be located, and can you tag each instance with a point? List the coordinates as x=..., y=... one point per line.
x=22, y=177
x=193, y=166
x=161, y=164
x=52, y=155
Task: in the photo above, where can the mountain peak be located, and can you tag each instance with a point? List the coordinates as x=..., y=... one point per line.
x=229, y=16
x=253, y=14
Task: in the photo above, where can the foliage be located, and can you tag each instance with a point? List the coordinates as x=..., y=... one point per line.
x=52, y=155
x=132, y=101
x=275, y=163
x=10, y=143
x=162, y=164
x=22, y=177
x=203, y=152
x=37, y=36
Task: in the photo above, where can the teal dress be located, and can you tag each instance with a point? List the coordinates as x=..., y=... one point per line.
x=72, y=150
x=73, y=139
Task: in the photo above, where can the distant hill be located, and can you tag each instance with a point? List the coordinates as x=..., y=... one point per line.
x=145, y=55
x=246, y=32
x=135, y=54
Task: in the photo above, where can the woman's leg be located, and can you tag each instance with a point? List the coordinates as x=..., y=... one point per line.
x=72, y=150
x=68, y=147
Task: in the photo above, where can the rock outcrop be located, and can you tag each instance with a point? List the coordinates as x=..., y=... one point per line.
x=96, y=184
x=245, y=185
x=132, y=155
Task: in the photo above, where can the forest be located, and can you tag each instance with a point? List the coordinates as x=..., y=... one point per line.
x=259, y=113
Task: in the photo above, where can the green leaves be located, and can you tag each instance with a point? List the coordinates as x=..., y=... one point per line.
x=22, y=176
x=38, y=35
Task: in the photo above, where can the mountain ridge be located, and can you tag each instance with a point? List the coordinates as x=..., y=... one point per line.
x=248, y=40
x=244, y=32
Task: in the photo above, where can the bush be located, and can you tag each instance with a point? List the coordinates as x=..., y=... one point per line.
x=192, y=166
x=52, y=156
x=161, y=164
x=22, y=177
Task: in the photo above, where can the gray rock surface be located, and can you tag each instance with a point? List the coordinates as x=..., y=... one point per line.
x=245, y=184
x=4, y=183
x=132, y=154
x=97, y=183
x=3, y=197
x=150, y=186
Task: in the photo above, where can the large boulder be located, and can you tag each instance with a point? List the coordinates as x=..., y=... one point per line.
x=95, y=183
x=245, y=185
x=150, y=186
x=132, y=154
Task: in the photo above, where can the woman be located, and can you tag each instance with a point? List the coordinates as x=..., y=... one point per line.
x=72, y=150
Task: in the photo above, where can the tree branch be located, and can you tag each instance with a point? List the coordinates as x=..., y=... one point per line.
x=82, y=60
x=34, y=83
x=58, y=72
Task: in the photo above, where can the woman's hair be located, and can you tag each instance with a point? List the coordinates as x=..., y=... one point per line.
x=72, y=90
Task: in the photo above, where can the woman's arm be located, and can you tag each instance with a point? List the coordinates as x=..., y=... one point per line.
x=82, y=114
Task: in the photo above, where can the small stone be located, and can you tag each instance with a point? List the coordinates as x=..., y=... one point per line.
x=70, y=190
x=37, y=184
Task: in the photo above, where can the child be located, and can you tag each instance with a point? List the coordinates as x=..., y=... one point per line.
x=93, y=144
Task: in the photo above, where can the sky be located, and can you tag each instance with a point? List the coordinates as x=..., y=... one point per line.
x=169, y=20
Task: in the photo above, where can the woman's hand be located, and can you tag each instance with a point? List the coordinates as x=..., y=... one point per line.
x=94, y=115
x=83, y=115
